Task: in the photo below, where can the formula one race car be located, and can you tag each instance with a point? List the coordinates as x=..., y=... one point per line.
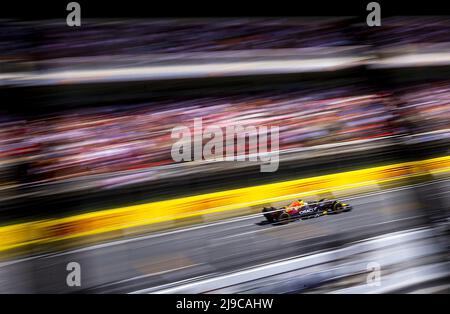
x=300, y=209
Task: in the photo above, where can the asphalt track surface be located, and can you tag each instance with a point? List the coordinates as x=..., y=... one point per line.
x=133, y=264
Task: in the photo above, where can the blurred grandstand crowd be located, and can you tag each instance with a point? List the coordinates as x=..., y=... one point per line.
x=125, y=137
x=53, y=40
x=108, y=38
x=77, y=142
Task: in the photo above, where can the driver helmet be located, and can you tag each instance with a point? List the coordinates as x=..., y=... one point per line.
x=298, y=203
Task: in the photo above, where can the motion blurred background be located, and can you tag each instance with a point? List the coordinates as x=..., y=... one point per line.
x=85, y=125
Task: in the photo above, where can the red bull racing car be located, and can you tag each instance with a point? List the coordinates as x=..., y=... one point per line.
x=300, y=209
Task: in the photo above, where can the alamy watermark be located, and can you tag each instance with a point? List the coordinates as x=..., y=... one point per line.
x=374, y=17
x=73, y=278
x=247, y=143
x=74, y=17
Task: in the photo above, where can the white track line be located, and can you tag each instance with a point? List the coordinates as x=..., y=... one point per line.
x=263, y=268
x=149, y=275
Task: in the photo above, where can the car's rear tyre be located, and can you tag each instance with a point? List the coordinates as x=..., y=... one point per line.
x=283, y=218
x=338, y=207
x=270, y=215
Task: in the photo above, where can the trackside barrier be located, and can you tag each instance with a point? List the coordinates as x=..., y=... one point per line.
x=46, y=231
